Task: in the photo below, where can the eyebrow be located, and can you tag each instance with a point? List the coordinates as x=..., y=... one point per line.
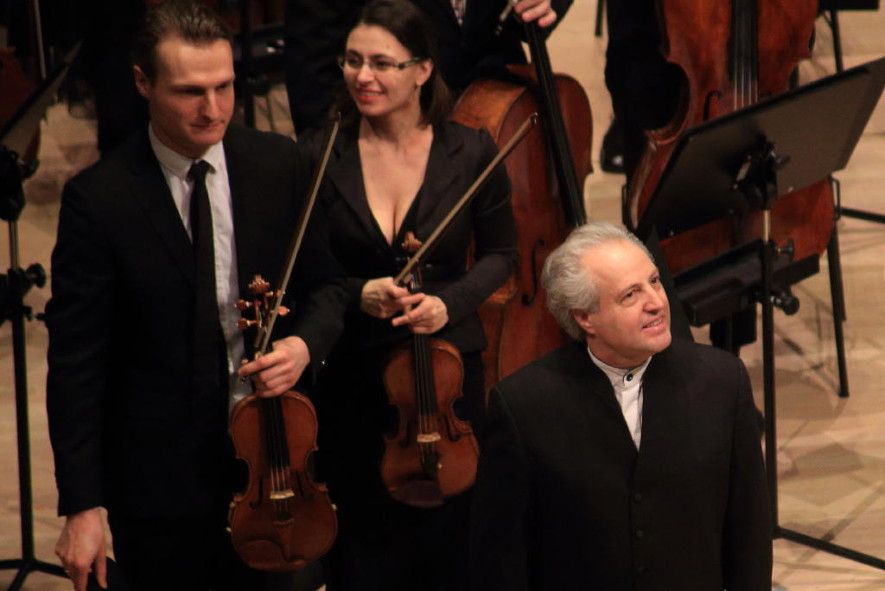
x=371, y=56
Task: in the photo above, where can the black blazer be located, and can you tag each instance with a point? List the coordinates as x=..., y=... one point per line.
x=126, y=429
x=563, y=500
x=457, y=156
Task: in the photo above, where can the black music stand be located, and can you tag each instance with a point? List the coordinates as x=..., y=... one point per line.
x=745, y=160
x=831, y=8
x=15, y=136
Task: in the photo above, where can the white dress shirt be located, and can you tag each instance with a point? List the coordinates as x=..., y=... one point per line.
x=627, y=384
x=175, y=169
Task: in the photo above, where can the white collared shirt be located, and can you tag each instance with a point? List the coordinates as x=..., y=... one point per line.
x=175, y=168
x=627, y=384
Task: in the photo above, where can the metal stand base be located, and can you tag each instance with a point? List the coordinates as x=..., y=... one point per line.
x=830, y=548
x=27, y=566
x=17, y=312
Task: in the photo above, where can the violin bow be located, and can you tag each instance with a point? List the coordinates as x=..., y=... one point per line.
x=262, y=338
x=526, y=126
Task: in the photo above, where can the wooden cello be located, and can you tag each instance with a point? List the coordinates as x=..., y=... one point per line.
x=732, y=54
x=546, y=173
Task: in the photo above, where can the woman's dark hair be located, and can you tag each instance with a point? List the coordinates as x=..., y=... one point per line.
x=407, y=23
x=193, y=21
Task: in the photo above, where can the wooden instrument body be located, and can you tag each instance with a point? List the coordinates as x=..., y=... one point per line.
x=454, y=454
x=517, y=325
x=286, y=534
x=698, y=37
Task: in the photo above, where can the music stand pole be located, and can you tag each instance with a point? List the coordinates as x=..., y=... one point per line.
x=729, y=165
x=19, y=282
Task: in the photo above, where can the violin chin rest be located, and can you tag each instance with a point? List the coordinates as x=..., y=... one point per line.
x=422, y=494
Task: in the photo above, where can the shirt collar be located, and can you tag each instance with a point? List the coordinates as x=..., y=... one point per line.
x=178, y=165
x=620, y=377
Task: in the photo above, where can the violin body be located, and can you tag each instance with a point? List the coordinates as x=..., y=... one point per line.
x=433, y=454
x=732, y=55
x=283, y=520
x=515, y=318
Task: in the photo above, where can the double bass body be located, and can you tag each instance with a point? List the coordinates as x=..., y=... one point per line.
x=517, y=325
x=732, y=54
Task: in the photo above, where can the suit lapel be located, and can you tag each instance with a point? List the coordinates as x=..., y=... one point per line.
x=599, y=396
x=151, y=192
x=436, y=196
x=246, y=217
x=665, y=417
x=346, y=173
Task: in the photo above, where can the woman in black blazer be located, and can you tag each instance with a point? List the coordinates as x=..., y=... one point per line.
x=399, y=166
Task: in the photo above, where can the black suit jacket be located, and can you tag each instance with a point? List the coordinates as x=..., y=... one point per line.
x=127, y=430
x=457, y=156
x=563, y=500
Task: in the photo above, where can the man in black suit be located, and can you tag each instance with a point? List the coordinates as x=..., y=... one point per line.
x=468, y=45
x=626, y=460
x=156, y=243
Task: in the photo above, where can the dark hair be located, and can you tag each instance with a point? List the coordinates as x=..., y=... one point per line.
x=192, y=21
x=407, y=23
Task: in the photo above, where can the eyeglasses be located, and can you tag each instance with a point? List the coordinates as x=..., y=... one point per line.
x=376, y=64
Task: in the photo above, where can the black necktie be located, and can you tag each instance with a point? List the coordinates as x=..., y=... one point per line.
x=209, y=354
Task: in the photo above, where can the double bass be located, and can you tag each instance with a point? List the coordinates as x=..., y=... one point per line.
x=546, y=174
x=732, y=54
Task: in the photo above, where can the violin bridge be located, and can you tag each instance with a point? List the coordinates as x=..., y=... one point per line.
x=428, y=437
x=281, y=495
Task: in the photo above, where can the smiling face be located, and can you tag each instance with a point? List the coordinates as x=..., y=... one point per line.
x=632, y=319
x=191, y=98
x=381, y=93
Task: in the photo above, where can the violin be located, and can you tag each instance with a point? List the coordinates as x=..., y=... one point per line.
x=546, y=175
x=283, y=519
x=433, y=454
x=732, y=54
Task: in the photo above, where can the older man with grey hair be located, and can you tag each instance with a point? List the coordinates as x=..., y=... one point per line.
x=627, y=459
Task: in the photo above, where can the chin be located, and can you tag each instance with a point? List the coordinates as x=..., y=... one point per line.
x=661, y=342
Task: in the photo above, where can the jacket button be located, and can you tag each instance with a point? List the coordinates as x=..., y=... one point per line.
x=640, y=534
x=640, y=570
x=637, y=497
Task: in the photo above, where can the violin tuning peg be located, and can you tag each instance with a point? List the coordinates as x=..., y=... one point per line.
x=283, y=310
x=243, y=305
x=244, y=323
x=259, y=285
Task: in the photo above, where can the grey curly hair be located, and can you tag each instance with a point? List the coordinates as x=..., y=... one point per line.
x=568, y=286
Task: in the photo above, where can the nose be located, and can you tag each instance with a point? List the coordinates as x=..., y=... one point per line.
x=365, y=73
x=210, y=105
x=656, y=298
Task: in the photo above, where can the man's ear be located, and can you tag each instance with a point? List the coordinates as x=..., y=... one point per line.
x=142, y=82
x=586, y=321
